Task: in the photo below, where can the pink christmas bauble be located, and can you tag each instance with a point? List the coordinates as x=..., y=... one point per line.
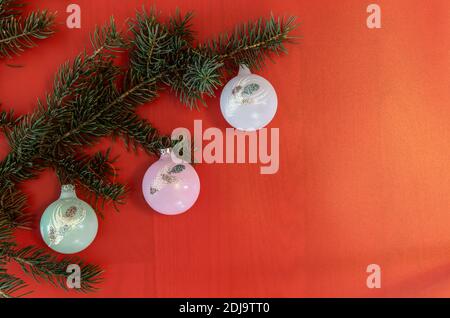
x=170, y=188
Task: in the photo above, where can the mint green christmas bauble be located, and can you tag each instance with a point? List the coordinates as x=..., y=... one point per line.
x=69, y=225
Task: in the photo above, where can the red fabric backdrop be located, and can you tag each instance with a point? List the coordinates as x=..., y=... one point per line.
x=364, y=174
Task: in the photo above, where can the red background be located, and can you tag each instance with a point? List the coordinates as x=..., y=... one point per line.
x=364, y=174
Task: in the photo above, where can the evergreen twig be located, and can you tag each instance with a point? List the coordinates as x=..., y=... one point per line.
x=44, y=266
x=7, y=119
x=10, y=285
x=17, y=33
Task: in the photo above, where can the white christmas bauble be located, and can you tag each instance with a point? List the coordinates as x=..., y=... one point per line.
x=69, y=225
x=248, y=101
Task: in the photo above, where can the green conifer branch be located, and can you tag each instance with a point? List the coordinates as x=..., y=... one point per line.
x=12, y=205
x=7, y=119
x=17, y=33
x=10, y=286
x=41, y=265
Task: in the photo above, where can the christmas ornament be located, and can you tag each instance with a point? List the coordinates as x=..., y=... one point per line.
x=170, y=188
x=248, y=101
x=69, y=225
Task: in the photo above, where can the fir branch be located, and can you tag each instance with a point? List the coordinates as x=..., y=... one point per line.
x=31, y=139
x=93, y=173
x=13, y=171
x=180, y=27
x=150, y=45
x=5, y=234
x=10, y=285
x=7, y=119
x=44, y=266
x=102, y=164
x=18, y=34
x=10, y=8
x=135, y=131
x=104, y=121
x=24, y=139
x=201, y=76
x=108, y=38
x=165, y=52
x=252, y=42
x=12, y=204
